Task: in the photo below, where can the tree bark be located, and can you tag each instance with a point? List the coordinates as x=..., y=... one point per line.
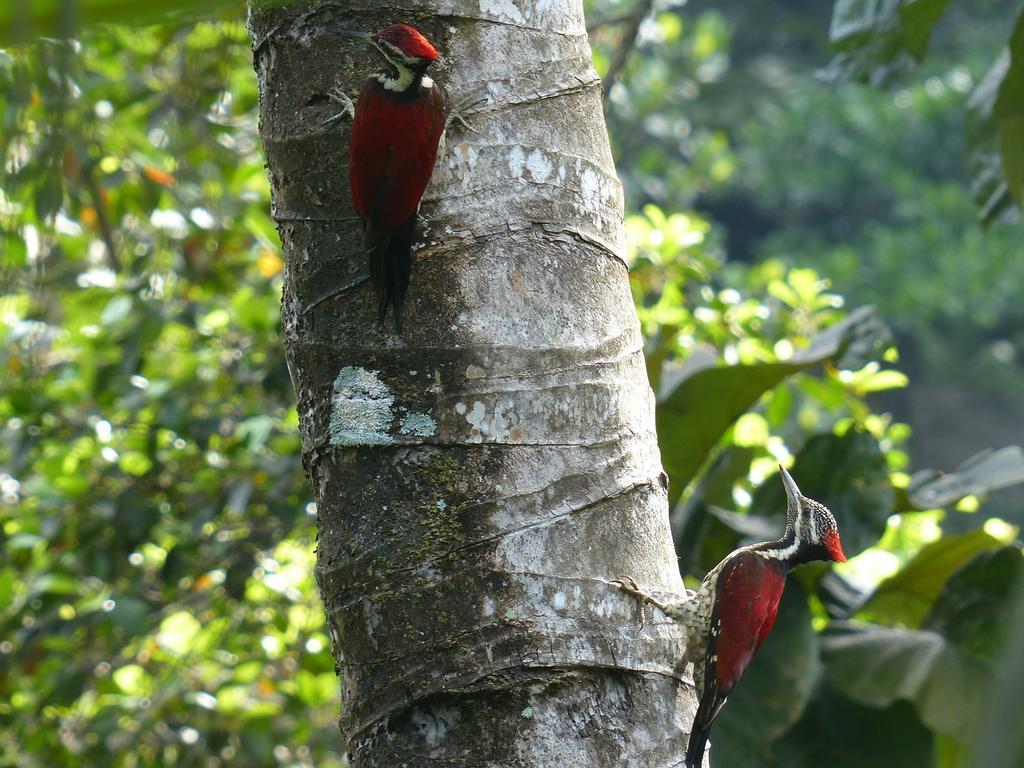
x=480, y=477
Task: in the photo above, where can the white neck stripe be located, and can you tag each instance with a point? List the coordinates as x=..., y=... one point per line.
x=782, y=554
x=401, y=82
x=787, y=552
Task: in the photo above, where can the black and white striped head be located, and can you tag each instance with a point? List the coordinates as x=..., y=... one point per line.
x=810, y=526
x=407, y=54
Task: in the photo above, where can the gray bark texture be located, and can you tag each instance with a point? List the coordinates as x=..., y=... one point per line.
x=479, y=478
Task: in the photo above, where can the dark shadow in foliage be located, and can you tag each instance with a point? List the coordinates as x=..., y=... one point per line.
x=839, y=733
x=1000, y=741
x=944, y=668
x=878, y=666
x=974, y=606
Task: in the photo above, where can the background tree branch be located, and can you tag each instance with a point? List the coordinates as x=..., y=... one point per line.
x=630, y=34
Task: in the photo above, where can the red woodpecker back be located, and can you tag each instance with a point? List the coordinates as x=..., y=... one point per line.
x=394, y=143
x=750, y=588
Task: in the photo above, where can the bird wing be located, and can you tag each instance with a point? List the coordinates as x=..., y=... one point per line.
x=749, y=590
x=747, y=599
x=392, y=151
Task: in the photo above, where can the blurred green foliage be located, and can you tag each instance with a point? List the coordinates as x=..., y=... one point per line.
x=157, y=605
x=734, y=149
x=880, y=42
x=729, y=116
x=22, y=21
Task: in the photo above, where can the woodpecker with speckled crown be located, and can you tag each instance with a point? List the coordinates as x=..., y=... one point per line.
x=730, y=615
x=397, y=126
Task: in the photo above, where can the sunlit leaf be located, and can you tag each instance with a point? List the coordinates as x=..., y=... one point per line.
x=135, y=463
x=316, y=690
x=177, y=633
x=708, y=400
x=906, y=598
x=133, y=680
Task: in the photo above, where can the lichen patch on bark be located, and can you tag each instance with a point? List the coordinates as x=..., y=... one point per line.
x=360, y=408
x=418, y=424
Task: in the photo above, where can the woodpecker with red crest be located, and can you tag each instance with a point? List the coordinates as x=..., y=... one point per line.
x=398, y=123
x=730, y=615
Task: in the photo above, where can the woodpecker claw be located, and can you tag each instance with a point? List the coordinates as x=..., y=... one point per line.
x=629, y=586
x=457, y=114
x=348, y=108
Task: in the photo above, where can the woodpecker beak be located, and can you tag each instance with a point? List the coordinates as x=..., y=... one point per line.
x=355, y=33
x=368, y=38
x=792, y=492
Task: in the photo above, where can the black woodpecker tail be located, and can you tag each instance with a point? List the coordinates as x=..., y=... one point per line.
x=711, y=702
x=696, y=745
x=390, y=255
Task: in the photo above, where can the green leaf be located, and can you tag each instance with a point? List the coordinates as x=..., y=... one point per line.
x=855, y=21
x=55, y=584
x=703, y=402
x=839, y=733
x=983, y=473
x=848, y=474
x=774, y=690
x=57, y=18
x=135, y=463
x=1000, y=741
x=238, y=700
x=7, y=580
x=1009, y=114
x=878, y=666
x=316, y=690
x=906, y=597
x=233, y=699
x=918, y=18
x=177, y=633
x=883, y=380
x=988, y=183
x=971, y=610
x=879, y=39
x=995, y=132
x=133, y=680
x=117, y=309
x=130, y=614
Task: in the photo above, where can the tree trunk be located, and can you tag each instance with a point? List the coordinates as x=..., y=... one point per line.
x=479, y=477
